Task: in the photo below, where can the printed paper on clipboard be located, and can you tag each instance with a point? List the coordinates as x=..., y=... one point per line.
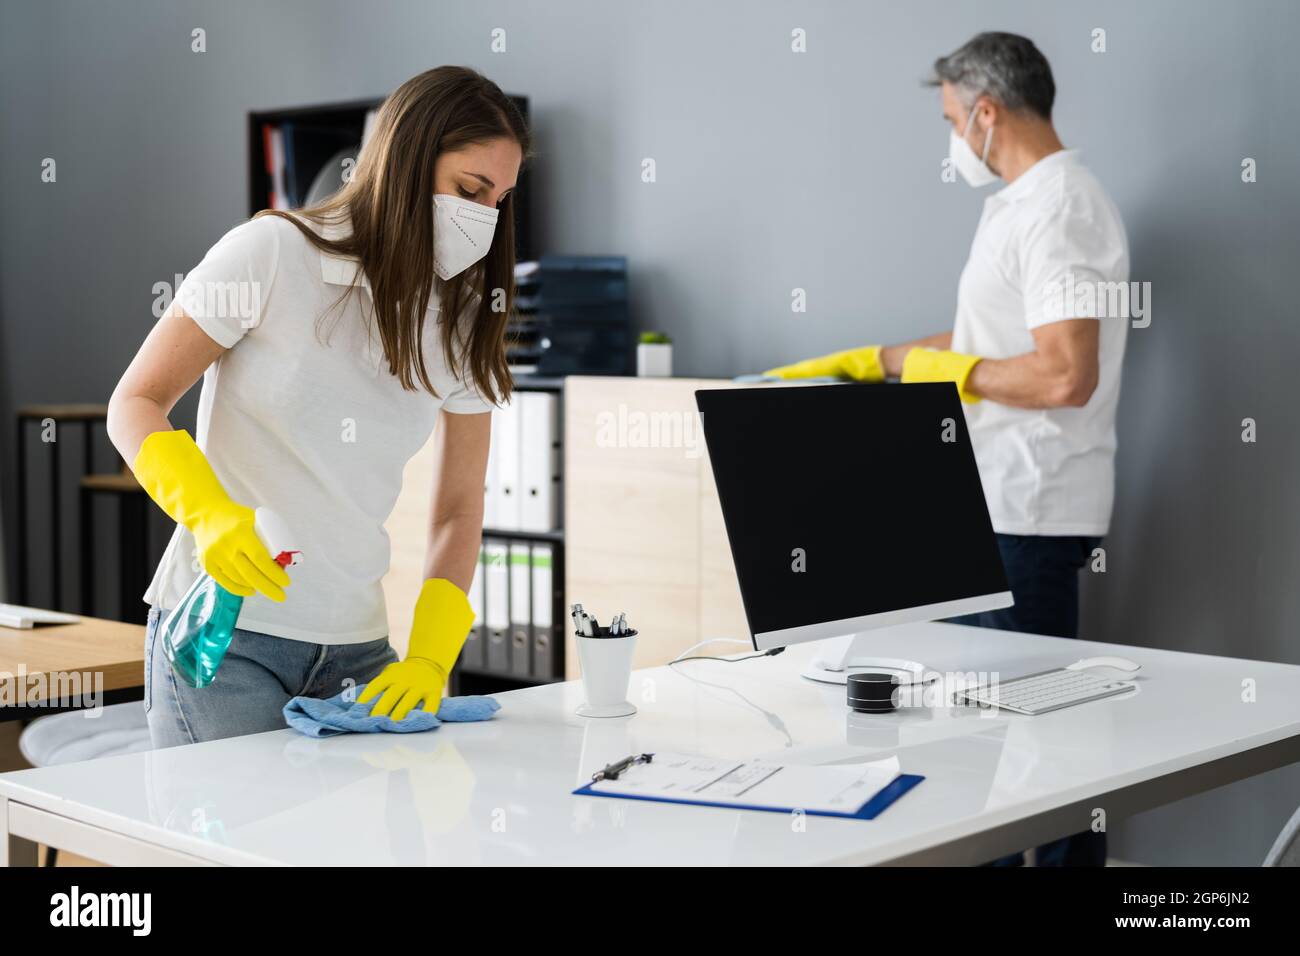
x=858, y=790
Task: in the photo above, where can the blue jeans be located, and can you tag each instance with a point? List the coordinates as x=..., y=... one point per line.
x=258, y=676
x=1043, y=572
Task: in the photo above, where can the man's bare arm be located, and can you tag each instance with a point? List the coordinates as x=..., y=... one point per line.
x=1061, y=372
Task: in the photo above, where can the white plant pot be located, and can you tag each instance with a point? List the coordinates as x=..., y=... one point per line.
x=654, y=360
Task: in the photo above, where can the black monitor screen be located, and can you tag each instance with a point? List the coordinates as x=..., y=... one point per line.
x=847, y=500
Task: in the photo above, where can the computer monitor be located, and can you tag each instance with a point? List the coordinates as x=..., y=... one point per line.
x=850, y=508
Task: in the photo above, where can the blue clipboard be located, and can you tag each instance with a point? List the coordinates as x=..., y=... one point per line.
x=868, y=811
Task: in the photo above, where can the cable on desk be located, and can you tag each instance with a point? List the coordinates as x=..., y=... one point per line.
x=726, y=660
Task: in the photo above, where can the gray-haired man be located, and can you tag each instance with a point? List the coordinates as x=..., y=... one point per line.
x=1032, y=352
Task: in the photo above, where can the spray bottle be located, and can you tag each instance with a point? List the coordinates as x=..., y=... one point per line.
x=197, y=632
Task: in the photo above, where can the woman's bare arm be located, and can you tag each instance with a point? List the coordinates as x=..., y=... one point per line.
x=456, y=515
x=172, y=358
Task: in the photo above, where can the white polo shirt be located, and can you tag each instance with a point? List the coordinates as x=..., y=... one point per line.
x=1043, y=241
x=302, y=415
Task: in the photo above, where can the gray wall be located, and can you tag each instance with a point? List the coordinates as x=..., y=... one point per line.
x=775, y=170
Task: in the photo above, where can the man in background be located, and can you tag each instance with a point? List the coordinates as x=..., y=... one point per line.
x=1032, y=353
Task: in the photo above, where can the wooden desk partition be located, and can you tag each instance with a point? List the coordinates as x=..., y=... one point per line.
x=643, y=529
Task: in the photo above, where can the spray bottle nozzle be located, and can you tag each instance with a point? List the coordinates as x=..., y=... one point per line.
x=275, y=535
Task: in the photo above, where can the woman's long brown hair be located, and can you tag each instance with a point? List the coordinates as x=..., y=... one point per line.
x=390, y=204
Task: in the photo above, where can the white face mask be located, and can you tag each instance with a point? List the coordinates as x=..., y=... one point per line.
x=974, y=169
x=462, y=234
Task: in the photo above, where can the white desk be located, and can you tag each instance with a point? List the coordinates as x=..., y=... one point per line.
x=499, y=792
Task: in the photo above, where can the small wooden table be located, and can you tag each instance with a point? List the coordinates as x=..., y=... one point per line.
x=52, y=668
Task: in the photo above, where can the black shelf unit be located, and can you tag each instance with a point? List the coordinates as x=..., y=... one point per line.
x=512, y=675
x=348, y=118
x=551, y=537
x=513, y=671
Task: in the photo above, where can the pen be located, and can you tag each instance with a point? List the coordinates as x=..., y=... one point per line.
x=585, y=623
x=614, y=770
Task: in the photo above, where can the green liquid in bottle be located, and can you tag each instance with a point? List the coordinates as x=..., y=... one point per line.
x=197, y=632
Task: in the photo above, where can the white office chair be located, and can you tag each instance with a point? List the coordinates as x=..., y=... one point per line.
x=72, y=736
x=1286, y=849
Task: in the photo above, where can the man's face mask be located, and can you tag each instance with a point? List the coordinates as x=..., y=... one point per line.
x=974, y=169
x=462, y=234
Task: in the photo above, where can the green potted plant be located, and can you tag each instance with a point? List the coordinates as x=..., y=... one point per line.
x=654, y=355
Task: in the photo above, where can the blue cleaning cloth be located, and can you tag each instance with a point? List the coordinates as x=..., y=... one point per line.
x=328, y=718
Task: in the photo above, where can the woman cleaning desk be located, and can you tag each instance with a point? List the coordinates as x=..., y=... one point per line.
x=359, y=325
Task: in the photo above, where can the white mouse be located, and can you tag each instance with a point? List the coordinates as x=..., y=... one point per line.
x=1119, y=663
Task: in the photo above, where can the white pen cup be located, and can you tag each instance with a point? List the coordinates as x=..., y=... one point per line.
x=606, y=672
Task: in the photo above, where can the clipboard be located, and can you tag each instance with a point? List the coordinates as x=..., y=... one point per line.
x=872, y=808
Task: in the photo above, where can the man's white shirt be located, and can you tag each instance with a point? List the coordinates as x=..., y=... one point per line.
x=1050, y=246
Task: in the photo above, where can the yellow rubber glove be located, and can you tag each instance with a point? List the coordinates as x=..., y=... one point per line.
x=172, y=469
x=861, y=365
x=933, y=365
x=442, y=622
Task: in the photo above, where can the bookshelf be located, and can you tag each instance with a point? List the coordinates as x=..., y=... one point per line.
x=508, y=674
x=339, y=124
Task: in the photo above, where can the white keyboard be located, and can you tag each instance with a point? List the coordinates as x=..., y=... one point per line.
x=1039, y=693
